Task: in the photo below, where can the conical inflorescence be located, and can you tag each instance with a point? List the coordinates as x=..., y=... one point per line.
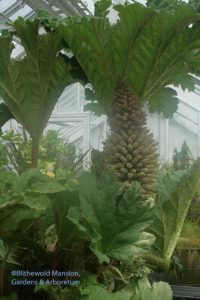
x=130, y=150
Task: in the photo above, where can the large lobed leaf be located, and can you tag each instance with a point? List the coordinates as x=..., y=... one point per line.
x=68, y=232
x=31, y=85
x=142, y=290
x=147, y=49
x=96, y=292
x=171, y=4
x=23, y=199
x=117, y=232
x=165, y=4
x=91, y=290
x=174, y=195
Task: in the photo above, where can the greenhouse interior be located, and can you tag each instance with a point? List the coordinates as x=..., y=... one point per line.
x=99, y=149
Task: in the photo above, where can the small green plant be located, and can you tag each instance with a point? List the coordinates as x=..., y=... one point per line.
x=191, y=231
x=194, y=211
x=188, y=246
x=54, y=153
x=175, y=192
x=182, y=159
x=15, y=151
x=78, y=227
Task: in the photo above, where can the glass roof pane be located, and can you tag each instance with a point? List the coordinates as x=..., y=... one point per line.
x=22, y=12
x=4, y=5
x=17, y=51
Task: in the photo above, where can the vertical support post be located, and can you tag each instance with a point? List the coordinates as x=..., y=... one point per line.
x=167, y=140
x=160, y=136
x=163, y=138
x=78, y=98
x=105, y=130
x=86, y=140
x=198, y=135
x=10, y=125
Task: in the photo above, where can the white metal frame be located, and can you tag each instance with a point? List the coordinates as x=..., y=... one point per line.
x=177, y=116
x=83, y=122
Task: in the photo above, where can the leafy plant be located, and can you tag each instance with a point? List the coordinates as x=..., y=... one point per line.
x=172, y=4
x=114, y=232
x=23, y=202
x=182, y=159
x=53, y=148
x=15, y=151
x=11, y=257
x=136, y=268
x=55, y=153
x=83, y=227
x=144, y=291
x=97, y=225
x=31, y=85
x=165, y=4
x=23, y=205
x=86, y=228
x=194, y=212
x=175, y=193
x=131, y=157
x=188, y=246
x=140, y=290
x=152, y=50
x=191, y=231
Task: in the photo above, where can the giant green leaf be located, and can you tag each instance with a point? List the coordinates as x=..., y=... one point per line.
x=18, y=210
x=159, y=290
x=99, y=292
x=115, y=231
x=143, y=290
x=174, y=195
x=145, y=48
x=165, y=4
x=15, y=215
x=68, y=232
x=101, y=8
x=171, y=4
x=23, y=198
x=31, y=85
x=137, y=290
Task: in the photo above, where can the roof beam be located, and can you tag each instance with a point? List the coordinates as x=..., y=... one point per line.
x=63, y=7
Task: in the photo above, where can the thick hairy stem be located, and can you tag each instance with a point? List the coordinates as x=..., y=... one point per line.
x=156, y=263
x=35, y=151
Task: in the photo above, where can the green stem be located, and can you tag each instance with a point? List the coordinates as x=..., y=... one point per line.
x=35, y=151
